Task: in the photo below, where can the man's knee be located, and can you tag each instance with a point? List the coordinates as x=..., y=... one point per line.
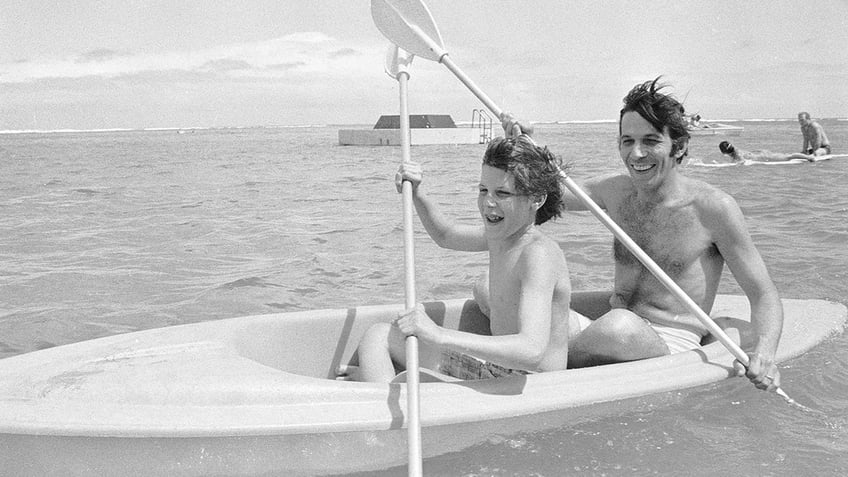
x=577, y=322
x=619, y=335
x=624, y=324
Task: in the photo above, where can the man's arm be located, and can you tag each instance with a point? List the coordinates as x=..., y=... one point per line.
x=597, y=188
x=805, y=132
x=513, y=127
x=818, y=137
x=745, y=263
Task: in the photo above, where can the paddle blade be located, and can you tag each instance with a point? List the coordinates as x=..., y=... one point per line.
x=397, y=61
x=409, y=25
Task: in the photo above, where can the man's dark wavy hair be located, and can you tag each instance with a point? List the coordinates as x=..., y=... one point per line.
x=661, y=110
x=535, y=168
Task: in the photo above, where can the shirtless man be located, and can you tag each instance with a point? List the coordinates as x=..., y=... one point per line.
x=815, y=140
x=520, y=189
x=760, y=155
x=690, y=228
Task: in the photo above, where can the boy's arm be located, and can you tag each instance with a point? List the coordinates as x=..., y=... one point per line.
x=537, y=272
x=445, y=233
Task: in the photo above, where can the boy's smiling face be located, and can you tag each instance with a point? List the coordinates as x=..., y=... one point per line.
x=505, y=211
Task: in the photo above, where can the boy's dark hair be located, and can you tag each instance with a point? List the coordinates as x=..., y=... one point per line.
x=535, y=168
x=661, y=110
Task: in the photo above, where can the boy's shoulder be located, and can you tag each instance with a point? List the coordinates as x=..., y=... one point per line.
x=542, y=247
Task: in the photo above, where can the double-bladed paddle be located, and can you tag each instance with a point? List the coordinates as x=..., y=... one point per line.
x=409, y=24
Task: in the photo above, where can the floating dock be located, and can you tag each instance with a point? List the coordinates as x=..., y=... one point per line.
x=423, y=129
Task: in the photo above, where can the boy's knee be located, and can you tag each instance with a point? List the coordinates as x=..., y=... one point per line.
x=481, y=293
x=376, y=335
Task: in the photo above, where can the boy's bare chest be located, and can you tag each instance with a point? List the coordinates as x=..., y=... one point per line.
x=504, y=288
x=502, y=274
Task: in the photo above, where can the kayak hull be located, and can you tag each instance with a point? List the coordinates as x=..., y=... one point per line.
x=255, y=395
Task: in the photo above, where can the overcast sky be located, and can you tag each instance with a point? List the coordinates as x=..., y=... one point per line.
x=165, y=63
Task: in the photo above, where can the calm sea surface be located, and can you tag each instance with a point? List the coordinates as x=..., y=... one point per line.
x=110, y=232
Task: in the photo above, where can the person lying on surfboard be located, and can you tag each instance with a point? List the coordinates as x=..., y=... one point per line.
x=760, y=155
x=520, y=188
x=690, y=229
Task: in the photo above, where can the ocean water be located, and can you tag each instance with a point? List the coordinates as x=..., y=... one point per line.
x=115, y=231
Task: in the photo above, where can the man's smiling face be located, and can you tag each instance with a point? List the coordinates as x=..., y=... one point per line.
x=645, y=151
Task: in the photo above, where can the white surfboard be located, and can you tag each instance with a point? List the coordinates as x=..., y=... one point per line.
x=826, y=157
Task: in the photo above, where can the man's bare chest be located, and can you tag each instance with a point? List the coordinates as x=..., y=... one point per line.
x=673, y=236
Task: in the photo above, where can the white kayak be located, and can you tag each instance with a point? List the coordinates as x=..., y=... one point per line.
x=256, y=395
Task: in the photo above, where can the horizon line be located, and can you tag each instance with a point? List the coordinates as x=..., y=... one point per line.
x=327, y=125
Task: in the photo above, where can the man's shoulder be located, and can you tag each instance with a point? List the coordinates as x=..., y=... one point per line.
x=614, y=182
x=614, y=177
x=709, y=199
x=703, y=189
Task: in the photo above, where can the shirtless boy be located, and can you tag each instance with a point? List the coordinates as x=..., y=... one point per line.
x=690, y=228
x=520, y=189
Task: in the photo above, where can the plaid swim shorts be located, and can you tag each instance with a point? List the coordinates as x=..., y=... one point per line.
x=463, y=366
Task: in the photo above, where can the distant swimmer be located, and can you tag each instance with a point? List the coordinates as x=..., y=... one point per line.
x=815, y=140
x=760, y=155
x=695, y=121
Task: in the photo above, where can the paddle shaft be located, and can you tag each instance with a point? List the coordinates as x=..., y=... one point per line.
x=412, y=379
x=446, y=60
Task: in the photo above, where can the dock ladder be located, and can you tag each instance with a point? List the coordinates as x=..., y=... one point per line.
x=481, y=119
